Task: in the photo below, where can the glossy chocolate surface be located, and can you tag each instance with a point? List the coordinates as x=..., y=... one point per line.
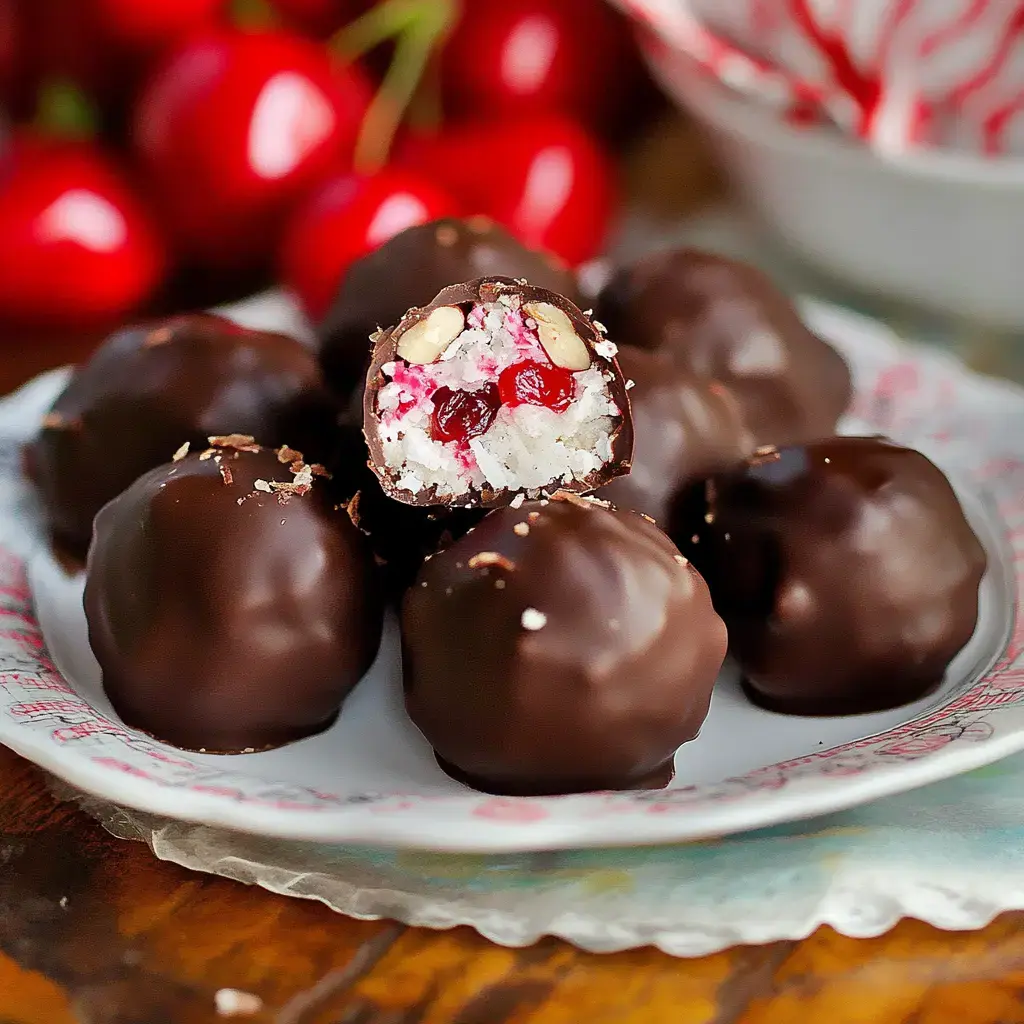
x=560, y=647
x=465, y=296
x=845, y=570
x=230, y=605
x=408, y=271
x=149, y=389
x=726, y=321
x=684, y=430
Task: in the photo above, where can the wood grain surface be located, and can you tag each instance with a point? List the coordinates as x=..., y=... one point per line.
x=95, y=930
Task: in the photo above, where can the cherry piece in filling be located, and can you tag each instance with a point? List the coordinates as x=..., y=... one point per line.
x=531, y=383
x=460, y=415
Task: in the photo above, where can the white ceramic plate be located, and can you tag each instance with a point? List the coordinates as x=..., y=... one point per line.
x=372, y=779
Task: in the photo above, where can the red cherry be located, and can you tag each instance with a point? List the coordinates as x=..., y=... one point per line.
x=460, y=415
x=531, y=383
x=234, y=131
x=546, y=179
x=78, y=248
x=319, y=18
x=346, y=219
x=151, y=24
x=529, y=57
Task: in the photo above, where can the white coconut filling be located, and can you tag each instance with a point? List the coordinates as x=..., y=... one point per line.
x=527, y=447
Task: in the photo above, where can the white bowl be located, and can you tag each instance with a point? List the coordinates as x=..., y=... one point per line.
x=944, y=231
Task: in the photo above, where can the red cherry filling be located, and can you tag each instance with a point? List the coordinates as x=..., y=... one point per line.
x=533, y=383
x=460, y=415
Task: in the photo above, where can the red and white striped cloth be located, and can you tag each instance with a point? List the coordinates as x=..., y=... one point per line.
x=899, y=74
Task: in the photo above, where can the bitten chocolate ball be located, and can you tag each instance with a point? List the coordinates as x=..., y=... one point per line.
x=845, y=570
x=147, y=390
x=560, y=647
x=684, y=429
x=494, y=389
x=409, y=270
x=725, y=321
x=230, y=605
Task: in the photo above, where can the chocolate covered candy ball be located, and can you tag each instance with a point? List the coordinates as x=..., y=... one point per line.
x=725, y=321
x=409, y=270
x=845, y=570
x=231, y=605
x=147, y=390
x=496, y=388
x=684, y=429
x=560, y=647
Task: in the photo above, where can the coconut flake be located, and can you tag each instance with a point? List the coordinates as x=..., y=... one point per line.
x=532, y=619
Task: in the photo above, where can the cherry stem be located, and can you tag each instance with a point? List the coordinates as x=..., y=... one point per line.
x=65, y=112
x=419, y=27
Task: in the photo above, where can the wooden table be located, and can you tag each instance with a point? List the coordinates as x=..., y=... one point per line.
x=95, y=930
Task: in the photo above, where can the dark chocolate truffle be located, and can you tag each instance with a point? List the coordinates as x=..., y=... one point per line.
x=684, y=429
x=409, y=270
x=231, y=605
x=726, y=321
x=149, y=389
x=560, y=647
x=496, y=388
x=845, y=570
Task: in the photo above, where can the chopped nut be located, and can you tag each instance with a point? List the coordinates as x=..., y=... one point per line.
x=225, y=475
x=181, y=452
x=521, y=529
x=517, y=501
x=319, y=470
x=681, y=559
x=630, y=384
x=446, y=236
x=499, y=584
x=160, y=336
x=55, y=421
x=533, y=620
x=533, y=516
x=607, y=349
x=601, y=329
x=573, y=499
x=262, y=485
x=208, y=454
x=425, y=341
x=240, y=442
x=230, y=1002
x=558, y=337
x=286, y=455
x=486, y=559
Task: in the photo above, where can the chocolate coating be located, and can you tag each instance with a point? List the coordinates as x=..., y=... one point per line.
x=684, y=428
x=845, y=570
x=560, y=647
x=725, y=321
x=149, y=389
x=408, y=271
x=465, y=295
x=224, y=617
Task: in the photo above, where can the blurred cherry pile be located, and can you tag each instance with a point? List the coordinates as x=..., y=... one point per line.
x=161, y=154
